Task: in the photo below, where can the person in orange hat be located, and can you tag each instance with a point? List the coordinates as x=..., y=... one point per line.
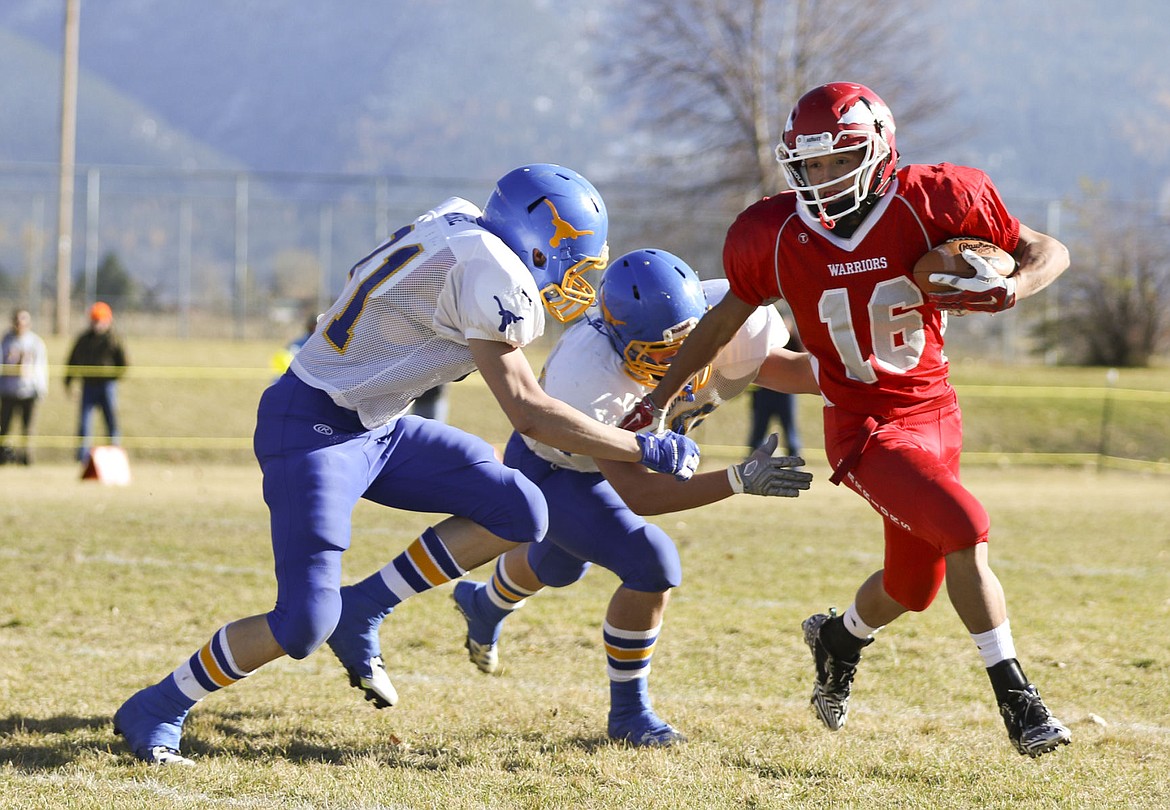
x=100, y=312
x=97, y=359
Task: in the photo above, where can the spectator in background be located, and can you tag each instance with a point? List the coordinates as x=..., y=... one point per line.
x=767, y=403
x=281, y=360
x=98, y=359
x=294, y=346
x=24, y=379
x=432, y=404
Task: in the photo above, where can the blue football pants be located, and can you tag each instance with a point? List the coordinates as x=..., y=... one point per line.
x=590, y=523
x=318, y=460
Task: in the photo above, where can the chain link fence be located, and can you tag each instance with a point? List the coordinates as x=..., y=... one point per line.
x=224, y=254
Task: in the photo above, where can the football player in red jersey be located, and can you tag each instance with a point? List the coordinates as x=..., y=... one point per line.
x=840, y=248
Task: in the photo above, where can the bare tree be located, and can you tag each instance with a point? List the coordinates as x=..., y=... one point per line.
x=710, y=82
x=1114, y=305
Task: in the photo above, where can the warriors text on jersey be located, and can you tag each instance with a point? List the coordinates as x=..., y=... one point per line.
x=586, y=371
x=402, y=323
x=876, y=343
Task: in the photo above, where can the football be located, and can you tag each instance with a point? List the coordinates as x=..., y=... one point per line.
x=947, y=258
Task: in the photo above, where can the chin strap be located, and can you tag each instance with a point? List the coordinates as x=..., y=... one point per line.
x=846, y=225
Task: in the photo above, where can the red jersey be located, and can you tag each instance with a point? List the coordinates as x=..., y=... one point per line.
x=876, y=343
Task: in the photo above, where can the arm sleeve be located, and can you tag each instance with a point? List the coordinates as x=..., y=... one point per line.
x=761, y=332
x=743, y=263
x=988, y=214
x=964, y=202
x=490, y=295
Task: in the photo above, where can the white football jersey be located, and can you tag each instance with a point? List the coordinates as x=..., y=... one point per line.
x=401, y=325
x=586, y=371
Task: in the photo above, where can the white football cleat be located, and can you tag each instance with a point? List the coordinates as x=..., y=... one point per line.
x=164, y=755
x=378, y=688
x=484, y=656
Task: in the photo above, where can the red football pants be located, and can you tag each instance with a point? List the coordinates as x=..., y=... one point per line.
x=908, y=470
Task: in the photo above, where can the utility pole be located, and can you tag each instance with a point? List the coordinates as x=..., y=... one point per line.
x=68, y=151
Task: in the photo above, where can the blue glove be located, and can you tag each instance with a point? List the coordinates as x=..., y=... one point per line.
x=669, y=453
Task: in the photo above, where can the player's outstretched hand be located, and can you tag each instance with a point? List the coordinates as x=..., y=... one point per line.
x=762, y=474
x=644, y=414
x=986, y=291
x=669, y=452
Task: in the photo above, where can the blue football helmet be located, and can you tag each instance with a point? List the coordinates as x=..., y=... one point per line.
x=650, y=300
x=556, y=222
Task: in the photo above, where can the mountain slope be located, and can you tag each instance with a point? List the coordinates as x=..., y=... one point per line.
x=112, y=127
x=455, y=89
x=437, y=88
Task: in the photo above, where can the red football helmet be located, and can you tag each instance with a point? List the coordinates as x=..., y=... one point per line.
x=834, y=118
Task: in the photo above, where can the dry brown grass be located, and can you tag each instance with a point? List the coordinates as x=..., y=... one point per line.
x=106, y=589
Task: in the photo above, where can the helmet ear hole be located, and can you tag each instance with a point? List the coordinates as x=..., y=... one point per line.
x=552, y=208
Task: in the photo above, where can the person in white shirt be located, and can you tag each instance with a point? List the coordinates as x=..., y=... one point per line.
x=24, y=381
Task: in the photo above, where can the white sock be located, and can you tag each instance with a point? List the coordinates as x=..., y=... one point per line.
x=856, y=626
x=996, y=644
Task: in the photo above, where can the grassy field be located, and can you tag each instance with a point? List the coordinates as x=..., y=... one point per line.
x=106, y=589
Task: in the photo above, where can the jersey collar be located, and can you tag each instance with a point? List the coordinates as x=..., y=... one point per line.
x=867, y=224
